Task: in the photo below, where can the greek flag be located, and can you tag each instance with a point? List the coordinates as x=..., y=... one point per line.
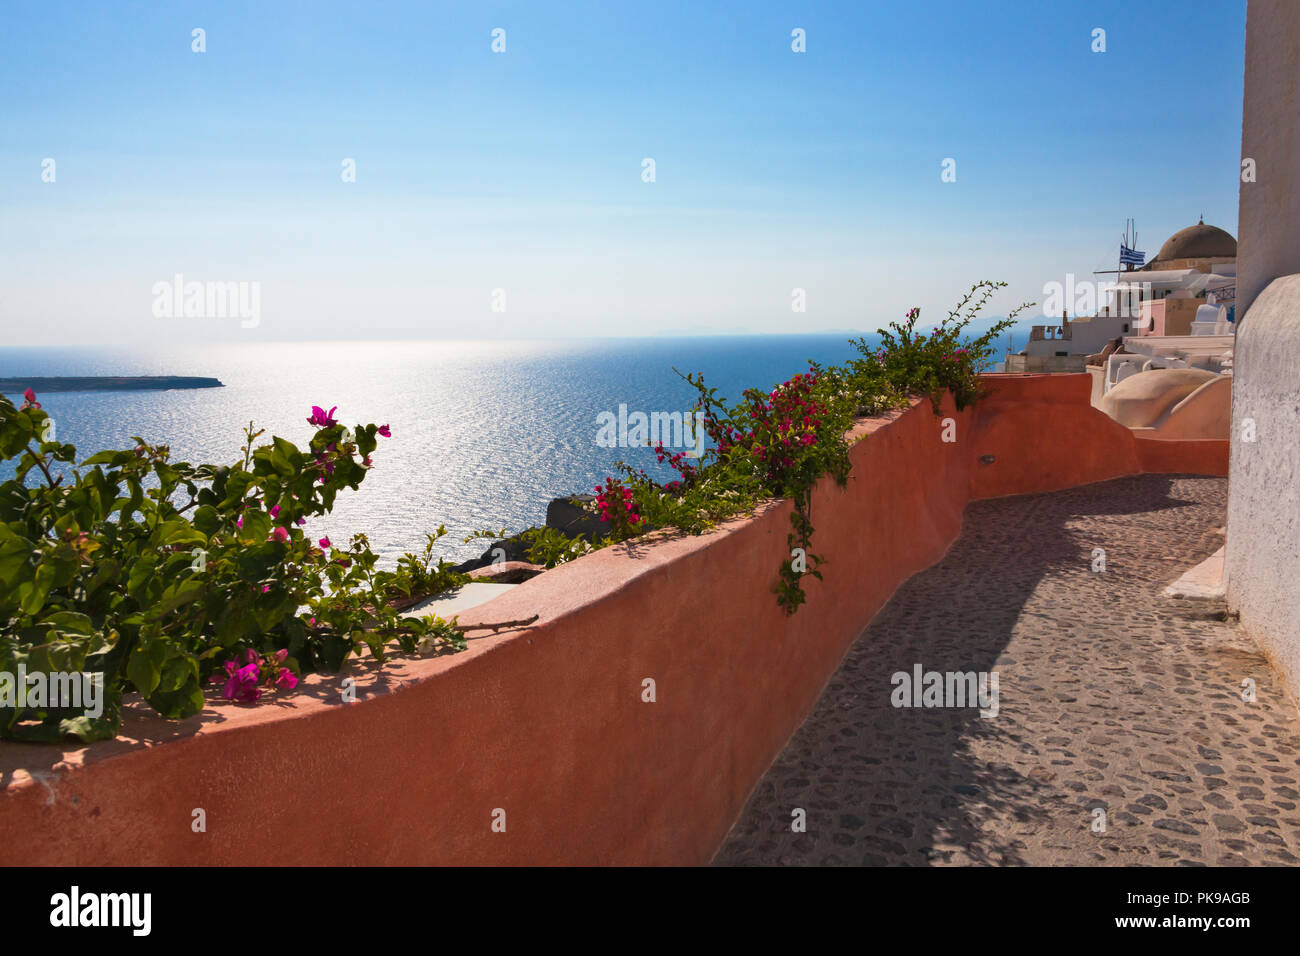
x=1131, y=257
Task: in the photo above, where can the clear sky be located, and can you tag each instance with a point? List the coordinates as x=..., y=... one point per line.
x=522, y=170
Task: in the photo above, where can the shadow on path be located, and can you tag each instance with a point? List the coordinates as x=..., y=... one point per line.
x=1105, y=689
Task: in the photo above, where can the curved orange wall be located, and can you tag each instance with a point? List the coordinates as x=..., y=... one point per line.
x=549, y=724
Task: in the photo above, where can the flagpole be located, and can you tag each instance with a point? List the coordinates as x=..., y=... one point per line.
x=1119, y=266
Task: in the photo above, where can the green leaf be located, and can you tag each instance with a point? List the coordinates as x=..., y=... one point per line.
x=15, y=552
x=174, y=597
x=141, y=573
x=73, y=621
x=207, y=519
x=177, y=532
x=257, y=526
x=285, y=457
x=89, y=729
x=106, y=569
x=34, y=599
x=144, y=666
x=185, y=701
x=110, y=458
x=175, y=673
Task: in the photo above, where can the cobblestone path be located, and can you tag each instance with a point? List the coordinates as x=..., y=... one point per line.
x=1111, y=696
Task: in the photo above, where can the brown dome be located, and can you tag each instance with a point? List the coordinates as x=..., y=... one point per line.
x=1199, y=242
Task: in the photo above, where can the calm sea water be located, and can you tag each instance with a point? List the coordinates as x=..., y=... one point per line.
x=484, y=433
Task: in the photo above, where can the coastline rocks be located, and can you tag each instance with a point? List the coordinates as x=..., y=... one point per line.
x=565, y=514
x=510, y=572
x=104, y=383
x=570, y=518
x=516, y=550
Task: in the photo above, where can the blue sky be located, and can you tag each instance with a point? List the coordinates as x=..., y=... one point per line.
x=522, y=170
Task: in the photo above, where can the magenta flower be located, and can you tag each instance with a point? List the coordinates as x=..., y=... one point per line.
x=275, y=512
x=30, y=399
x=241, y=682
x=286, y=679
x=279, y=534
x=325, y=543
x=383, y=430
x=321, y=418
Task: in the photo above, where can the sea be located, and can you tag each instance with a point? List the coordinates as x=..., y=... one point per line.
x=484, y=433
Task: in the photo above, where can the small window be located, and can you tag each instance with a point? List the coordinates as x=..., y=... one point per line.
x=1125, y=326
x=1063, y=354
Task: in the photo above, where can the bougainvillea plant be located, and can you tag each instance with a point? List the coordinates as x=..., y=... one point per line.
x=780, y=443
x=162, y=576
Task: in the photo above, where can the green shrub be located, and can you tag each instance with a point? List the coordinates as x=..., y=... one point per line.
x=910, y=363
x=419, y=575
x=162, y=575
x=778, y=444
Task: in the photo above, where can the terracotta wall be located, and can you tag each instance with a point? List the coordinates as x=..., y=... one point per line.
x=1168, y=316
x=1152, y=321
x=549, y=724
x=1179, y=314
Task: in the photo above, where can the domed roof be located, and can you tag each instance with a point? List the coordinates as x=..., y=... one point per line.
x=1199, y=242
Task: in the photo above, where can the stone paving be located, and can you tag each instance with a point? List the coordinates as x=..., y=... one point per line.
x=1111, y=696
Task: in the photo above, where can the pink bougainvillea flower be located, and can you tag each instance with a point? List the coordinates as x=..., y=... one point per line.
x=321, y=418
x=325, y=543
x=241, y=683
x=383, y=430
x=300, y=521
x=275, y=512
x=279, y=534
x=286, y=679
x=30, y=399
